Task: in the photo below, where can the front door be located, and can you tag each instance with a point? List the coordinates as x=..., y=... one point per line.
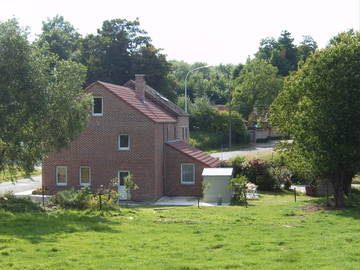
x=122, y=189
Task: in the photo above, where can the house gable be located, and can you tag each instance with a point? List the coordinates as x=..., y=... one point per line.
x=127, y=95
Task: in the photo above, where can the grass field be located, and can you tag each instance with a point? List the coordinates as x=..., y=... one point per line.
x=6, y=176
x=272, y=233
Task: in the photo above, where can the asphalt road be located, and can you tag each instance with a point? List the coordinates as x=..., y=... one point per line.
x=21, y=185
x=258, y=148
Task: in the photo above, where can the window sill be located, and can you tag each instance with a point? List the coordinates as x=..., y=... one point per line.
x=97, y=114
x=188, y=183
x=124, y=149
x=61, y=185
x=85, y=185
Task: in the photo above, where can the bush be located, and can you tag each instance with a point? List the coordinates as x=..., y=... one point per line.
x=11, y=203
x=259, y=172
x=75, y=199
x=238, y=164
x=238, y=185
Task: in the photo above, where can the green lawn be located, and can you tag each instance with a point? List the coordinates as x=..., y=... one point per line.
x=272, y=233
x=6, y=176
x=211, y=142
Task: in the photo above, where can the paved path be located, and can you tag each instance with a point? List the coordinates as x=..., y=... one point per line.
x=21, y=185
x=258, y=148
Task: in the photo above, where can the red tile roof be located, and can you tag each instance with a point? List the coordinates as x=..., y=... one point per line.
x=148, y=108
x=196, y=154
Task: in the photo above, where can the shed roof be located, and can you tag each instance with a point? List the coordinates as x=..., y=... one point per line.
x=194, y=153
x=217, y=172
x=148, y=108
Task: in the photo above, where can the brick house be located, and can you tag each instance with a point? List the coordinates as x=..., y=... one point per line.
x=133, y=130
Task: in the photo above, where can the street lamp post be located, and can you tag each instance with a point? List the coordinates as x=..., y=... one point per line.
x=187, y=75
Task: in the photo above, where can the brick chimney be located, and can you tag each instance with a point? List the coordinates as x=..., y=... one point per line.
x=140, y=86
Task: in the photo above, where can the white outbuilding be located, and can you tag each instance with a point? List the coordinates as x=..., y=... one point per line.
x=217, y=185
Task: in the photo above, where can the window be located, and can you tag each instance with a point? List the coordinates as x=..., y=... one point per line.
x=98, y=106
x=61, y=175
x=121, y=177
x=187, y=173
x=85, y=176
x=184, y=133
x=123, y=142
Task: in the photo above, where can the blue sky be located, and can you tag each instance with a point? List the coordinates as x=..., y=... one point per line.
x=226, y=31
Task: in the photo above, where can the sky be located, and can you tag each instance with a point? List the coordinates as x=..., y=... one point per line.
x=212, y=31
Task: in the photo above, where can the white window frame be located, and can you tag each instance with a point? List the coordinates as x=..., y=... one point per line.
x=184, y=133
x=66, y=176
x=102, y=107
x=188, y=183
x=85, y=184
x=124, y=148
x=128, y=172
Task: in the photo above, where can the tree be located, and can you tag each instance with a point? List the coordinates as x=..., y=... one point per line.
x=119, y=50
x=256, y=86
x=306, y=48
x=319, y=107
x=283, y=53
x=42, y=104
x=60, y=37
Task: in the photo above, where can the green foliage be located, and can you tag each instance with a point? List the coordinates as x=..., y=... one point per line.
x=72, y=199
x=259, y=172
x=119, y=50
x=238, y=185
x=213, y=82
x=42, y=104
x=319, y=108
x=283, y=53
x=130, y=185
x=256, y=86
x=60, y=37
x=238, y=164
x=206, y=118
x=9, y=202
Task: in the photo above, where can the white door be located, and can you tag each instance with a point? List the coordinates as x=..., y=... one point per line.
x=121, y=188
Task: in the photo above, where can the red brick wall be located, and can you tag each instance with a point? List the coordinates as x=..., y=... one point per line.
x=173, y=186
x=97, y=148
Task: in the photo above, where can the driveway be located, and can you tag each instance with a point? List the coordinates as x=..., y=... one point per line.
x=22, y=185
x=257, y=149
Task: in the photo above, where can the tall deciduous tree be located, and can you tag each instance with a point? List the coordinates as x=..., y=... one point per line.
x=256, y=86
x=319, y=107
x=306, y=47
x=119, y=50
x=42, y=104
x=60, y=37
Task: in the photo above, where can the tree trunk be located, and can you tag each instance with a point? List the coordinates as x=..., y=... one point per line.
x=339, y=195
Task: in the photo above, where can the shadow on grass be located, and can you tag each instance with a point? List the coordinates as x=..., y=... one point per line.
x=352, y=211
x=280, y=193
x=40, y=227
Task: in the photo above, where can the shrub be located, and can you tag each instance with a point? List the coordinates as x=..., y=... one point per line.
x=238, y=164
x=259, y=172
x=238, y=185
x=75, y=199
x=282, y=175
x=9, y=202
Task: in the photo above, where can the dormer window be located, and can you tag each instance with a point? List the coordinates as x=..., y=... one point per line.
x=98, y=106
